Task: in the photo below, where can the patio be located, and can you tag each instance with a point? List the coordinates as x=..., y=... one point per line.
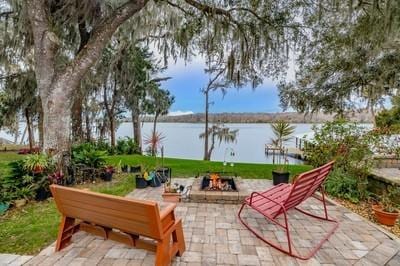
x=214, y=236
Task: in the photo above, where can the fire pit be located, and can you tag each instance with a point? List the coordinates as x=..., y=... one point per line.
x=214, y=182
x=218, y=188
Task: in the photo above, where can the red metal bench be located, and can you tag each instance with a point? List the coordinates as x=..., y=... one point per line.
x=284, y=197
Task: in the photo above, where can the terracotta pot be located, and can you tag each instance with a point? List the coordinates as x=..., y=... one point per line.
x=386, y=218
x=171, y=197
x=38, y=169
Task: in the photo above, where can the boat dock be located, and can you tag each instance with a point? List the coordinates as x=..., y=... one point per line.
x=297, y=152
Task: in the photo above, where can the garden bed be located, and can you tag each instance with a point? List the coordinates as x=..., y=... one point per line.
x=364, y=209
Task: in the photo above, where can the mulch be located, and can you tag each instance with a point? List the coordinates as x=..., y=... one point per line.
x=364, y=209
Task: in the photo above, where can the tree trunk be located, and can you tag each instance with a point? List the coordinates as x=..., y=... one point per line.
x=209, y=152
x=57, y=120
x=40, y=125
x=112, y=129
x=88, y=127
x=206, y=153
x=137, y=133
x=29, y=127
x=155, y=123
x=77, y=130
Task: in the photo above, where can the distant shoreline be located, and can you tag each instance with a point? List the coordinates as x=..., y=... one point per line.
x=258, y=118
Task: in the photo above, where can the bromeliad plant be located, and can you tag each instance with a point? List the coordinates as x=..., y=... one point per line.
x=37, y=163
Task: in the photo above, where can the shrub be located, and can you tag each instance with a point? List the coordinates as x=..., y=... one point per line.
x=351, y=146
x=126, y=146
x=89, y=156
x=342, y=185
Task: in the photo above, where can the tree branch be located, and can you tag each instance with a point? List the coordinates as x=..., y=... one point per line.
x=99, y=38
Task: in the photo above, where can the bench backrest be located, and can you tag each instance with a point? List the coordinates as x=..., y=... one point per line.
x=306, y=184
x=128, y=215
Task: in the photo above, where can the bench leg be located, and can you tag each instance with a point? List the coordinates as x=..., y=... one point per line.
x=66, y=229
x=162, y=252
x=177, y=237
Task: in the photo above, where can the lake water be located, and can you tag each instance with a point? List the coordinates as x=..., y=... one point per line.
x=182, y=141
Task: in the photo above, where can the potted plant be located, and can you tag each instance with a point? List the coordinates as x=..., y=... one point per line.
x=108, y=173
x=141, y=179
x=385, y=212
x=36, y=163
x=282, y=132
x=172, y=193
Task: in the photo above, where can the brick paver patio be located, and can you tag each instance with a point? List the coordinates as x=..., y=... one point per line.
x=214, y=236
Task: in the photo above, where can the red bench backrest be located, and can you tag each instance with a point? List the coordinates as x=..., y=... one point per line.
x=306, y=184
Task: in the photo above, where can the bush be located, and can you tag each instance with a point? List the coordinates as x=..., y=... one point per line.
x=19, y=184
x=342, y=185
x=89, y=155
x=126, y=146
x=351, y=146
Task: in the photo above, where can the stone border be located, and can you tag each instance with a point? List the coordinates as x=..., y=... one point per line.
x=222, y=197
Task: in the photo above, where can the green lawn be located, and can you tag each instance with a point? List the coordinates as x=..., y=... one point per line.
x=5, y=158
x=187, y=168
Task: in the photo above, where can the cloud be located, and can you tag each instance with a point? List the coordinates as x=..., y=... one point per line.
x=179, y=112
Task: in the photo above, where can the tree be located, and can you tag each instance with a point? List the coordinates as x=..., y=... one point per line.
x=159, y=103
x=218, y=132
x=351, y=60
x=236, y=26
x=20, y=99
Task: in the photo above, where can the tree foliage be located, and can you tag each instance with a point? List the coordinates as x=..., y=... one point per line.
x=351, y=60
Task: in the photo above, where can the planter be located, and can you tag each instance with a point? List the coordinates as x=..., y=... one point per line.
x=164, y=173
x=155, y=181
x=38, y=169
x=20, y=203
x=42, y=194
x=4, y=207
x=140, y=182
x=124, y=169
x=107, y=176
x=171, y=197
x=280, y=177
x=135, y=169
x=386, y=218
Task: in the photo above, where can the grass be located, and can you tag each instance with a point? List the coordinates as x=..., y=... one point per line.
x=31, y=228
x=5, y=159
x=188, y=168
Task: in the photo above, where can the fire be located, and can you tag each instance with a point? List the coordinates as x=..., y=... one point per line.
x=215, y=181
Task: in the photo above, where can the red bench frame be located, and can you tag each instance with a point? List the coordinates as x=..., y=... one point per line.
x=280, y=199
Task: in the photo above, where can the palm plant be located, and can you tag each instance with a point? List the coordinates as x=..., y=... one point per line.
x=282, y=131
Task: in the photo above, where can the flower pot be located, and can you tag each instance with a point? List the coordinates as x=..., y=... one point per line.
x=20, y=203
x=42, y=194
x=4, y=207
x=386, y=218
x=171, y=197
x=38, y=169
x=124, y=169
x=107, y=176
x=140, y=182
x=280, y=177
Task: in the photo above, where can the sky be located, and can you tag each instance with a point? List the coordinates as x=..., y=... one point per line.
x=188, y=79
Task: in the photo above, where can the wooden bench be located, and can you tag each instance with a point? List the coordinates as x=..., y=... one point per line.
x=120, y=219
